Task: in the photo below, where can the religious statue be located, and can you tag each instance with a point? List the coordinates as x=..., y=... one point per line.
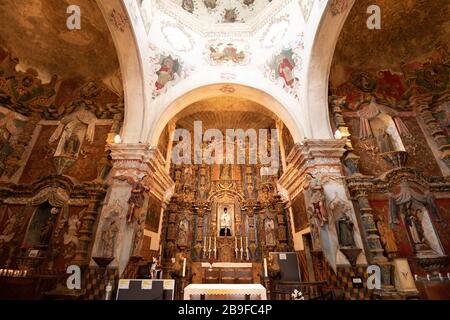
x=183, y=229
x=137, y=197
x=269, y=228
x=387, y=238
x=70, y=237
x=109, y=237
x=138, y=238
x=415, y=227
x=317, y=200
x=226, y=172
x=225, y=224
x=345, y=227
x=385, y=141
x=47, y=231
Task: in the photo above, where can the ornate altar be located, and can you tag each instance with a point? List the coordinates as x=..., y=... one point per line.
x=224, y=214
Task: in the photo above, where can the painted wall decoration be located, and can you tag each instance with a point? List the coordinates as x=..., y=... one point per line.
x=398, y=86
x=338, y=6
x=306, y=7
x=275, y=32
x=168, y=71
x=229, y=11
x=218, y=53
x=285, y=66
x=177, y=36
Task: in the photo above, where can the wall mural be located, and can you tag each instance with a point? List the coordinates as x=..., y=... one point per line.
x=223, y=11
x=229, y=53
x=285, y=66
x=168, y=71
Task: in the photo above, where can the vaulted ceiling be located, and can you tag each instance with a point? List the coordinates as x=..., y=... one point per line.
x=409, y=29
x=35, y=32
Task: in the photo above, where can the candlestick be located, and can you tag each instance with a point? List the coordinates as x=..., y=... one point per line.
x=265, y=268
x=184, y=267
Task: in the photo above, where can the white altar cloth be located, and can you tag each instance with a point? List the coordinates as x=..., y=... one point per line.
x=227, y=265
x=227, y=291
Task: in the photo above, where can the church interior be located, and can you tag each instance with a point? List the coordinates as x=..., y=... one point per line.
x=117, y=118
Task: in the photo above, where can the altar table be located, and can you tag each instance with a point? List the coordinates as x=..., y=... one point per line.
x=225, y=291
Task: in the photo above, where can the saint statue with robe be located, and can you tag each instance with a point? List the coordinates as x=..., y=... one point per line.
x=345, y=231
x=225, y=224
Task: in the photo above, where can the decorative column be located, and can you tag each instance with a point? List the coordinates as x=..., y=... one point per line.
x=280, y=127
x=87, y=227
x=359, y=187
x=322, y=160
x=171, y=126
x=141, y=169
x=424, y=110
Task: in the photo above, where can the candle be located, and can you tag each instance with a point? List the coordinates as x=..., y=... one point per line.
x=184, y=267
x=160, y=251
x=209, y=244
x=246, y=243
x=235, y=242
x=215, y=243
x=25, y=273
x=265, y=268
x=241, y=243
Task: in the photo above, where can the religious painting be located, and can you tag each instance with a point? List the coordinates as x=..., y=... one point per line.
x=188, y=5
x=153, y=214
x=231, y=15
x=284, y=66
x=225, y=219
x=169, y=67
x=210, y=4
x=220, y=53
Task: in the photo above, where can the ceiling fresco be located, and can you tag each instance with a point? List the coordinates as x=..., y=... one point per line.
x=35, y=32
x=223, y=11
x=405, y=32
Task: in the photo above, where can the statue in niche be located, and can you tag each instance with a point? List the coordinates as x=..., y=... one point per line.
x=226, y=172
x=415, y=227
x=188, y=175
x=269, y=227
x=47, y=231
x=385, y=141
x=345, y=228
x=387, y=238
x=108, y=237
x=183, y=229
x=225, y=224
